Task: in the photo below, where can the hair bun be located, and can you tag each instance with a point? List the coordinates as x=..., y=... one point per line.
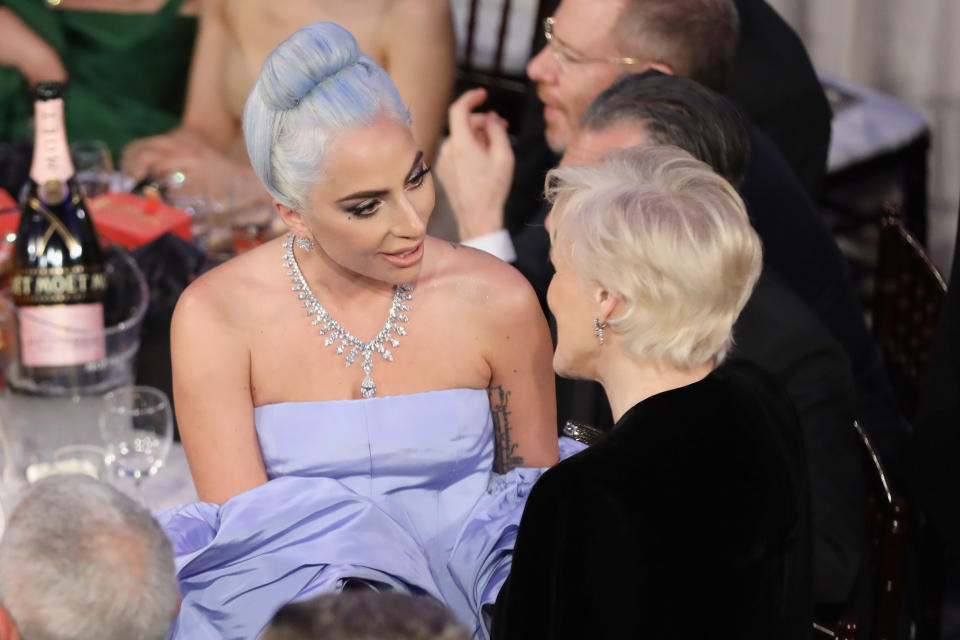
x=304, y=60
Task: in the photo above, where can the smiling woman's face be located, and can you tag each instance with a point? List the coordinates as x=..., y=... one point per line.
x=369, y=214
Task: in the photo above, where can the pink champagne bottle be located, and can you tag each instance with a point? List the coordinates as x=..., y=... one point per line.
x=58, y=280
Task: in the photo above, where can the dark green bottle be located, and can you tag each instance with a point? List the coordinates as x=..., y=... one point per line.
x=58, y=280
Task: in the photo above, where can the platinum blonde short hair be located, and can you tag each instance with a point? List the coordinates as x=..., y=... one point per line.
x=668, y=236
x=314, y=85
x=81, y=560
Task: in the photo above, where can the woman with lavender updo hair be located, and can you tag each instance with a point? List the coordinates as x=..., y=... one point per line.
x=690, y=519
x=361, y=405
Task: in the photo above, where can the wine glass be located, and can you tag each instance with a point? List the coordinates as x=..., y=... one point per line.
x=137, y=428
x=94, y=166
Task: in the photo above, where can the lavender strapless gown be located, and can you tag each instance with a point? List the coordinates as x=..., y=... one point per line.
x=396, y=490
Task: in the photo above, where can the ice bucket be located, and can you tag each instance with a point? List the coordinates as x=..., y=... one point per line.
x=124, y=307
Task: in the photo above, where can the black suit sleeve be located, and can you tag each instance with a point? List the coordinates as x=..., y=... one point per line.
x=780, y=334
x=798, y=245
x=774, y=82
x=532, y=243
x=819, y=382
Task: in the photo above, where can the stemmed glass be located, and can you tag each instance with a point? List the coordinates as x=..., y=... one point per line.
x=94, y=166
x=137, y=428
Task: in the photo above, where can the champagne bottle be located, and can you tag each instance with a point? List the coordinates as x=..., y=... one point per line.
x=58, y=279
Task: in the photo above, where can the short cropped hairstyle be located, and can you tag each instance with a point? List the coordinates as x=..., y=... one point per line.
x=697, y=38
x=81, y=560
x=670, y=237
x=314, y=85
x=680, y=112
x=364, y=615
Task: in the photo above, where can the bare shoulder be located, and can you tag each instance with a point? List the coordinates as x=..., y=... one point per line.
x=430, y=17
x=416, y=9
x=486, y=283
x=227, y=296
x=213, y=8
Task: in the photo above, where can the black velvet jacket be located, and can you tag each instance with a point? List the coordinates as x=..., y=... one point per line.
x=689, y=520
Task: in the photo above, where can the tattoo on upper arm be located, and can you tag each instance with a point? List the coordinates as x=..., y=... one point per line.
x=504, y=459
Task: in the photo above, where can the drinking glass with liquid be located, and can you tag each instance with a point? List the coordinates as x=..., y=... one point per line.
x=94, y=166
x=136, y=424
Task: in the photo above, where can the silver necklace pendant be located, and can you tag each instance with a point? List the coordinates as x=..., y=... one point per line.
x=349, y=345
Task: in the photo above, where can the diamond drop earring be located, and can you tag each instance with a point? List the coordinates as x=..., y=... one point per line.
x=305, y=243
x=598, y=328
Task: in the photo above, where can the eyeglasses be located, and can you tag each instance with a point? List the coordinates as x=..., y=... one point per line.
x=565, y=54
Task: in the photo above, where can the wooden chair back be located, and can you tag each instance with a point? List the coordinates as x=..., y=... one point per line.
x=887, y=520
x=878, y=617
x=496, y=76
x=506, y=89
x=909, y=294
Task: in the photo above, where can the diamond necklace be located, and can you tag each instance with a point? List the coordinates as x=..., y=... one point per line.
x=350, y=346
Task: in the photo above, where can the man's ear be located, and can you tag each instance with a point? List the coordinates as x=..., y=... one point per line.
x=663, y=68
x=656, y=68
x=8, y=628
x=292, y=218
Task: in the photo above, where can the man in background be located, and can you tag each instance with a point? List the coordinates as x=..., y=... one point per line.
x=78, y=560
x=771, y=80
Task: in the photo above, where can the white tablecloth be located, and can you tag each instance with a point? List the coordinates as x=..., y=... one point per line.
x=32, y=428
x=867, y=123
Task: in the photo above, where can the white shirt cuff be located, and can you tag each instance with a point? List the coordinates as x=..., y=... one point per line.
x=497, y=243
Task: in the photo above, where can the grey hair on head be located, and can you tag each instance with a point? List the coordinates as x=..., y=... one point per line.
x=680, y=112
x=314, y=85
x=364, y=614
x=81, y=560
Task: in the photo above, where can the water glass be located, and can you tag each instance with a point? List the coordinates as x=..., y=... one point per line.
x=136, y=424
x=94, y=166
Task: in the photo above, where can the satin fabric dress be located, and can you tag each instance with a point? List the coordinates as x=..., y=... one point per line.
x=397, y=491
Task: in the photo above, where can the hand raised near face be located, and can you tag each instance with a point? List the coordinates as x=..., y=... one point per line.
x=475, y=166
x=23, y=49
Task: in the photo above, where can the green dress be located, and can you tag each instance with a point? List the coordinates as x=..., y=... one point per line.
x=127, y=72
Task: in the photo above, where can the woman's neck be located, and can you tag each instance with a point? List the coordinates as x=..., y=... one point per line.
x=628, y=382
x=330, y=281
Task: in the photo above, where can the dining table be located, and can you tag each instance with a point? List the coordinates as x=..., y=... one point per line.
x=43, y=435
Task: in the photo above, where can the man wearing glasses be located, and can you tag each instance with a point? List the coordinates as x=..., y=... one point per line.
x=763, y=69
x=586, y=41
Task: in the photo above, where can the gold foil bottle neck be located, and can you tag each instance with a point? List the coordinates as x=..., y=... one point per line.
x=52, y=191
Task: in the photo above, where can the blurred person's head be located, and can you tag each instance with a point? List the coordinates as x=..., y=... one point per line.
x=655, y=109
x=592, y=42
x=655, y=247
x=80, y=560
x=365, y=615
x=330, y=138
